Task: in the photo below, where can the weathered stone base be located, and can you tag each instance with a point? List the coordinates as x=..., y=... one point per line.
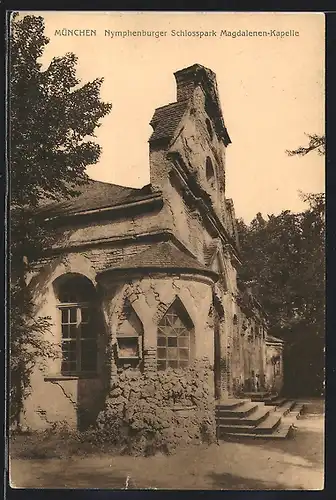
x=159, y=411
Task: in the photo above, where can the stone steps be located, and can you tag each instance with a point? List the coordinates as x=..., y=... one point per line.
x=296, y=410
x=230, y=404
x=244, y=424
x=242, y=410
x=257, y=419
x=275, y=402
x=285, y=407
x=268, y=425
x=282, y=431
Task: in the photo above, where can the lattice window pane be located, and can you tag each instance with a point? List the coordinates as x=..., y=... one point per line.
x=73, y=315
x=172, y=353
x=183, y=341
x=65, y=331
x=184, y=333
x=178, y=323
x=174, y=333
x=184, y=354
x=162, y=353
x=65, y=316
x=69, y=356
x=79, y=346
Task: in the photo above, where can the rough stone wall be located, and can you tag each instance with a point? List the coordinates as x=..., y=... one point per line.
x=158, y=411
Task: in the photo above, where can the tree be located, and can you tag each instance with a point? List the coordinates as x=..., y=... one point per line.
x=52, y=122
x=284, y=260
x=316, y=143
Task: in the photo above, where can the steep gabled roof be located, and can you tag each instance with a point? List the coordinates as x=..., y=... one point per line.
x=94, y=195
x=163, y=256
x=166, y=120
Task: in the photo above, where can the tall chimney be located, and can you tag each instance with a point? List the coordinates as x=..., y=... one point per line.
x=187, y=80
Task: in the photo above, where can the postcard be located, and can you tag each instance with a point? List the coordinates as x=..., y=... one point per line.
x=166, y=327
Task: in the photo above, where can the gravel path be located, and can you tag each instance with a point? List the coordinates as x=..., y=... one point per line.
x=295, y=463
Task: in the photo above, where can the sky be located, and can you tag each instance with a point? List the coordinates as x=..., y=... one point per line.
x=271, y=90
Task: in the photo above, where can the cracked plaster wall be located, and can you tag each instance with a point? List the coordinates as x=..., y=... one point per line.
x=150, y=298
x=61, y=400
x=58, y=399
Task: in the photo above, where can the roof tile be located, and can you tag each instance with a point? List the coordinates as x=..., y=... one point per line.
x=94, y=195
x=163, y=255
x=166, y=119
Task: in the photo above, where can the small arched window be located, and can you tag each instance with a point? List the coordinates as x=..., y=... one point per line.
x=209, y=172
x=77, y=316
x=175, y=338
x=209, y=128
x=129, y=335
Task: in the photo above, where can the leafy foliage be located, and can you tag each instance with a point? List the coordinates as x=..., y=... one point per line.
x=284, y=258
x=52, y=123
x=284, y=261
x=316, y=143
x=52, y=118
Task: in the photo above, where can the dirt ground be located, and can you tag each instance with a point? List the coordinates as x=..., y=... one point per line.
x=295, y=463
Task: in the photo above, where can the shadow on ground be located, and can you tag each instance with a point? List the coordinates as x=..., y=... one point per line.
x=83, y=479
x=227, y=481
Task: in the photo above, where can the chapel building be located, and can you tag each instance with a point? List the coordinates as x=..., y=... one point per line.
x=147, y=278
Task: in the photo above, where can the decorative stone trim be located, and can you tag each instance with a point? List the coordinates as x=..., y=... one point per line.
x=51, y=378
x=150, y=363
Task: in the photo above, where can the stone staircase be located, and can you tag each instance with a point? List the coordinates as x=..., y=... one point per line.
x=272, y=418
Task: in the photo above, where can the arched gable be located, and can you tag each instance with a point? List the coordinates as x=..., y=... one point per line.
x=130, y=323
x=59, y=266
x=179, y=304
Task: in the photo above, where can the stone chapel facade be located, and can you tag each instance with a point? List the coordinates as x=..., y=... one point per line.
x=147, y=278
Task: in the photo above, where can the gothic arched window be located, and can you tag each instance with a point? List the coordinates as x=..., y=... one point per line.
x=209, y=128
x=209, y=170
x=175, y=338
x=77, y=316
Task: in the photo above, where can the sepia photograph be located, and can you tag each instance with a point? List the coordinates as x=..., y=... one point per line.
x=166, y=236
